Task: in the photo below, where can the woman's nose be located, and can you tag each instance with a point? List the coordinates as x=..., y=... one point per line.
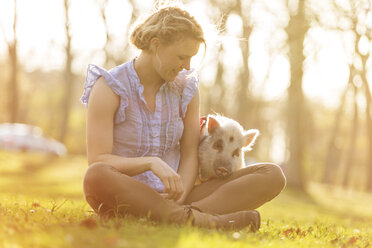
x=187, y=65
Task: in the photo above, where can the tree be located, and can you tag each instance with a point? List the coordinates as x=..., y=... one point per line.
x=296, y=31
x=354, y=133
x=244, y=113
x=68, y=77
x=13, y=89
x=355, y=12
x=332, y=160
x=113, y=58
x=367, y=92
x=242, y=99
x=218, y=105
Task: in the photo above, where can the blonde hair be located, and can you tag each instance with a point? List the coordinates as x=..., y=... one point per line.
x=169, y=24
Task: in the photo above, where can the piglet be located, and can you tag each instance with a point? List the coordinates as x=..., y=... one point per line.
x=221, y=147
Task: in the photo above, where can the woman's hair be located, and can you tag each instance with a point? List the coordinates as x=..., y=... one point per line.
x=169, y=24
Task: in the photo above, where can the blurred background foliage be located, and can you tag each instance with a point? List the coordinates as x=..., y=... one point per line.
x=297, y=70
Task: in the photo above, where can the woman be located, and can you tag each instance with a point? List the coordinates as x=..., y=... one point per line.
x=143, y=133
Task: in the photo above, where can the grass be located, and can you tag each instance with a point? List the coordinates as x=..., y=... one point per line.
x=42, y=205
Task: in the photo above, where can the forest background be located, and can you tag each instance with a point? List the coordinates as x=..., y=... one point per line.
x=299, y=71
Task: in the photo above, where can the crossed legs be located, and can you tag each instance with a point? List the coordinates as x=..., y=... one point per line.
x=109, y=191
x=246, y=189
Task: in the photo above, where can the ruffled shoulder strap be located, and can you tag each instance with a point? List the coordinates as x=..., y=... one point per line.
x=93, y=73
x=190, y=82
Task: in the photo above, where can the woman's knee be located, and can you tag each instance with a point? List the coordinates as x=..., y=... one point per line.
x=95, y=176
x=275, y=177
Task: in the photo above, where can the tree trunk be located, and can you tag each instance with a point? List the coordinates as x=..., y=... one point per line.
x=13, y=84
x=109, y=60
x=367, y=93
x=244, y=113
x=13, y=100
x=351, y=151
x=332, y=161
x=68, y=76
x=369, y=133
x=296, y=31
x=219, y=107
x=217, y=102
x=134, y=16
x=363, y=75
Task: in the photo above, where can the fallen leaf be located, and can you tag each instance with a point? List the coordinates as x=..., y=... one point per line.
x=352, y=240
x=89, y=223
x=334, y=240
x=288, y=231
x=111, y=240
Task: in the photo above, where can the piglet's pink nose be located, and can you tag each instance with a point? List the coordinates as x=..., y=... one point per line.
x=222, y=172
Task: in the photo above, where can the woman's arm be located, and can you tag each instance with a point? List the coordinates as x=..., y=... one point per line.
x=188, y=168
x=102, y=106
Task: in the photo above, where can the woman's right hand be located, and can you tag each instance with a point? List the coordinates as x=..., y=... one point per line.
x=173, y=187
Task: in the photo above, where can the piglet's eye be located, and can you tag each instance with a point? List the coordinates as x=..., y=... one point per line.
x=218, y=145
x=236, y=153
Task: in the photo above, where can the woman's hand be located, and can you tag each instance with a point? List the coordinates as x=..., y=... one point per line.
x=173, y=187
x=180, y=201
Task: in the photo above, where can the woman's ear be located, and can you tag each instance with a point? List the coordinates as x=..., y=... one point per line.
x=154, y=44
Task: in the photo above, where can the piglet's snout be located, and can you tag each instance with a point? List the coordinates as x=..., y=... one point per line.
x=223, y=170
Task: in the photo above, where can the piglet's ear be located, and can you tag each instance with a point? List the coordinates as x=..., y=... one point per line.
x=250, y=137
x=213, y=124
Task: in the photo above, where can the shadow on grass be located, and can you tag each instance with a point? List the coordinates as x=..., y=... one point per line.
x=41, y=176
x=293, y=204
x=29, y=166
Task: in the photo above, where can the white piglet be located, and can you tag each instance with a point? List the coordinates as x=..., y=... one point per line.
x=221, y=147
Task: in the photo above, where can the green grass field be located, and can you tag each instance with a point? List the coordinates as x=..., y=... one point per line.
x=42, y=205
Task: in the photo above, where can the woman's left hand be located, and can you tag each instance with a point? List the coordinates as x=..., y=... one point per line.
x=180, y=201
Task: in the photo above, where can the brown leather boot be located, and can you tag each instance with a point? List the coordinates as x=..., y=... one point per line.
x=193, y=215
x=233, y=221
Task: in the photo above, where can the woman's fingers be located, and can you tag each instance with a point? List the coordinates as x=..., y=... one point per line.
x=177, y=192
x=179, y=188
x=171, y=180
x=166, y=186
x=175, y=189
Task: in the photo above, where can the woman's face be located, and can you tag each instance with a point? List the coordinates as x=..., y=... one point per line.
x=169, y=60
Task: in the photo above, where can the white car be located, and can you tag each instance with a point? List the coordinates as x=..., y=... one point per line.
x=23, y=137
